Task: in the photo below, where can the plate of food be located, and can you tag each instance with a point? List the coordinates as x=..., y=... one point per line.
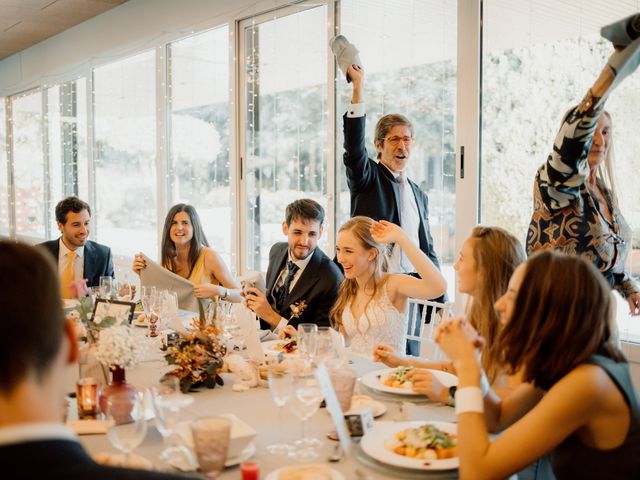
x=316, y=471
x=394, y=380
x=419, y=445
x=287, y=345
x=140, y=320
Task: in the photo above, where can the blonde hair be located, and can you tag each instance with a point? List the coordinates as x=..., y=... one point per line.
x=360, y=227
x=605, y=176
x=497, y=253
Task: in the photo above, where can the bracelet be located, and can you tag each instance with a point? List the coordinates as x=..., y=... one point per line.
x=469, y=400
x=226, y=294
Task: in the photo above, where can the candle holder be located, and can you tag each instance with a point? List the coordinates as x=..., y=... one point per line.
x=87, y=398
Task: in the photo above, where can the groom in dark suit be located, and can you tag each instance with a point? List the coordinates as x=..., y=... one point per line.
x=76, y=256
x=302, y=282
x=37, y=347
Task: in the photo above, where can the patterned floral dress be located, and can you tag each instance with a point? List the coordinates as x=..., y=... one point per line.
x=566, y=216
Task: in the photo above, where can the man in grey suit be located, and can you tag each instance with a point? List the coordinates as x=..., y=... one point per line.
x=302, y=282
x=37, y=346
x=88, y=259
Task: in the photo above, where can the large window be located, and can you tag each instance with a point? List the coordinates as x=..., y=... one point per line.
x=29, y=166
x=125, y=155
x=4, y=173
x=538, y=60
x=199, y=153
x=409, y=56
x=285, y=122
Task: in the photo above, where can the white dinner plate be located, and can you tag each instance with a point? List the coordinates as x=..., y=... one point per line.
x=377, y=408
x=335, y=475
x=374, y=380
x=376, y=443
x=270, y=347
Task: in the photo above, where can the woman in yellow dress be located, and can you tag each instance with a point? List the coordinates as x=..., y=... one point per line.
x=186, y=252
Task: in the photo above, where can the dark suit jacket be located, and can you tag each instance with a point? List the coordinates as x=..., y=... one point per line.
x=97, y=260
x=63, y=460
x=374, y=190
x=317, y=286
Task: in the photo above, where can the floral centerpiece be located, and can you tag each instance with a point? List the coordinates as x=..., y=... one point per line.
x=198, y=356
x=120, y=347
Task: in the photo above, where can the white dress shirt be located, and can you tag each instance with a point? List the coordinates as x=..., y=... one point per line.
x=31, y=432
x=302, y=264
x=409, y=216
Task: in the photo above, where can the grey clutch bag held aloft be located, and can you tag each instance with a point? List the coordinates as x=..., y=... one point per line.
x=346, y=54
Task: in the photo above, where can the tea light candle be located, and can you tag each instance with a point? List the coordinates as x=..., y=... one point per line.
x=250, y=471
x=87, y=397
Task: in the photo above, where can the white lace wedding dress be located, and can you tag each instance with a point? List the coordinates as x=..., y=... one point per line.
x=383, y=323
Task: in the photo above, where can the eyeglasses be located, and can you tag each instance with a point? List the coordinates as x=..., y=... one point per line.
x=394, y=141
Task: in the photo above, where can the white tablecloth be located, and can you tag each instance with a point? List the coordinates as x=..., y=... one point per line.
x=256, y=408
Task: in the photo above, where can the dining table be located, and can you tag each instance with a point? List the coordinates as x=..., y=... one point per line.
x=256, y=408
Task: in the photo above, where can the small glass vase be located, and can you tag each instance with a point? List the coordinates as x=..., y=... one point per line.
x=118, y=385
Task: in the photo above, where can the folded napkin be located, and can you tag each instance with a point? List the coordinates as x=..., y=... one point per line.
x=88, y=427
x=314, y=471
x=119, y=460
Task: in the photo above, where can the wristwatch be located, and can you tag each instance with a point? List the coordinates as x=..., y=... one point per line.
x=452, y=396
x=226, y=294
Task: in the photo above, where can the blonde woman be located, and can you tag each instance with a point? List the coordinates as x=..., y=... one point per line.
x=371, y=304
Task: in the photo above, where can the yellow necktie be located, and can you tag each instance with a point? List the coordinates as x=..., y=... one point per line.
x=68, y=276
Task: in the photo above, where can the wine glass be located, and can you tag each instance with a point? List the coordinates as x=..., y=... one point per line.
x=146, y=296
x=126, y=422
x=324, y=347
x=280, y=382
x=106, y=286
x=305, y=401
x=167, y=401
x=306, y=338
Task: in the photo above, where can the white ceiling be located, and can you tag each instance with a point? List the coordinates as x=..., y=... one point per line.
x=24, y=23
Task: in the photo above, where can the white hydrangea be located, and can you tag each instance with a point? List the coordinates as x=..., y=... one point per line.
x=120, y=346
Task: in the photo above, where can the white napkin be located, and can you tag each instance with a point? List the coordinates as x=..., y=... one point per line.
x=88, y=427
x=156, y=275
x=249, y=331
x=119, y=460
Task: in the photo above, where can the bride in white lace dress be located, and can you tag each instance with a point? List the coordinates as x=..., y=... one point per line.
x=371, y=305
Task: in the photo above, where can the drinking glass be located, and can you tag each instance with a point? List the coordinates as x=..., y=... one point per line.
x=146, y=296
x=306, y=338
x=167, y=401
x=324, y=349
x=106, y=286
x=305, y=401
x=126, y=422
x=280, y=382
x=211, y=442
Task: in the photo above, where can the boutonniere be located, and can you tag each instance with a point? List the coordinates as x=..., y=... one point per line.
x=297, y=309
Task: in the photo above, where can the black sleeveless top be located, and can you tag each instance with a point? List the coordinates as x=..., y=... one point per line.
x=574, y=460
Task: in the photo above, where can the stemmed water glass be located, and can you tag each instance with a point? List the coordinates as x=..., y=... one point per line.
x=324, y=347
x=106, y=287
x=306, y=338
x=146, y=297
x=167, y=401
x=305, y=401
x=280, y=382
x=126, y=422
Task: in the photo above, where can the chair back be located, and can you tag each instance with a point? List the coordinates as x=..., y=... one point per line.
x=423, y=318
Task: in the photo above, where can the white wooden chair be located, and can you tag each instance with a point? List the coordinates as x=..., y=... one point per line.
x=421, y=332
